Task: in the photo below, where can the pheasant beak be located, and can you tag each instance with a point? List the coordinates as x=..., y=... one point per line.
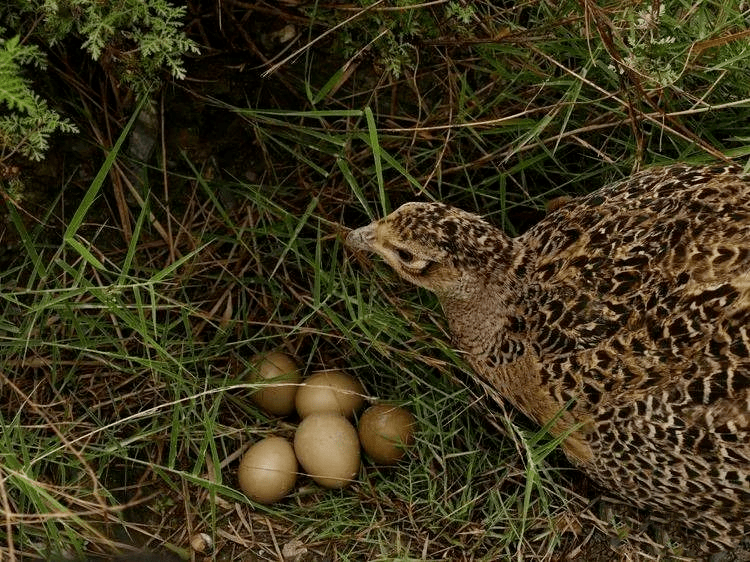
x=363, y=238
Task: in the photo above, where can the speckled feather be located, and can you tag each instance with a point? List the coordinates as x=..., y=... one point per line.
x=632, y=302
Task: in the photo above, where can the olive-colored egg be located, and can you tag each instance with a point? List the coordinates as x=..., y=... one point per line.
x=330, y=391
x=280, y=377
x=268, y=470
x=385, y=432
x=328, y=449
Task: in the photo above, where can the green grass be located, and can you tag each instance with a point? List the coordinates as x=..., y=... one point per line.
x=122, y=405
x=120, y=388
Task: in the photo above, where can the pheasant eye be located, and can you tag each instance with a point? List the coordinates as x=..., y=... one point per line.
x=404, y=255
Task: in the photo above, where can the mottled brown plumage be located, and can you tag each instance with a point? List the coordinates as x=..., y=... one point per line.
x=632, y=302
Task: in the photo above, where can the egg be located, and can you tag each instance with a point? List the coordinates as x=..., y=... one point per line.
x=385, y=432
x=327, y=447
x=201, y=543
x=330, y=391
x=268, y=470
x=280, y=377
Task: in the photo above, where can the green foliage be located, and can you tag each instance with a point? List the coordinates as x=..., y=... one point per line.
x=16, y=93
x=153, y=28
x=463, y=13
x=26, y=126
x=134, y=40
x=665, y=44
x=396, y=33
x=141, y=37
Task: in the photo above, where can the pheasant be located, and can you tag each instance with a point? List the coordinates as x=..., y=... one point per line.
x=623, y=315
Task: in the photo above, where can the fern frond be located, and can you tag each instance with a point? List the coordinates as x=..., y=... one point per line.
x=26, y=121
x=14, y=89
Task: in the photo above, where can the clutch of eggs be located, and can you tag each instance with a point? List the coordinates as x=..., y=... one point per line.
x=326, y=443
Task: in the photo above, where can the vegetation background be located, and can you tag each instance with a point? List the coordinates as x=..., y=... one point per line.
x=176, y=184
